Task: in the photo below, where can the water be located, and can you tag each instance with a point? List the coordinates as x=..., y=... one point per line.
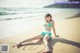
x=18, y=20
x=20, y=13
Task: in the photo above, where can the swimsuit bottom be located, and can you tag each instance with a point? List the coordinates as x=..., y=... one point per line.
x=46, y=33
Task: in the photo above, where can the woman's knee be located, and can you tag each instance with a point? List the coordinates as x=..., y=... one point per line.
x=45, y=38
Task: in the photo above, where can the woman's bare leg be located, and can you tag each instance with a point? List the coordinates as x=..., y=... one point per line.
x=34, y=38
x=28, y=40
x=45, y=40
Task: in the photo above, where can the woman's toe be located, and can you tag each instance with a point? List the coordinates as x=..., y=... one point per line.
x=18, y=45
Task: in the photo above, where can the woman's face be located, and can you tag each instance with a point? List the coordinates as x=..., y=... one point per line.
x=47, y=19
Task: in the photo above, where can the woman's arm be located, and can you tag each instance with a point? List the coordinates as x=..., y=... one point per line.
x=54, y=31
x=53, y=25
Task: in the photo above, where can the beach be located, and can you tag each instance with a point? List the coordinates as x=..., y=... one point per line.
x=68, y=42
x=24, y=19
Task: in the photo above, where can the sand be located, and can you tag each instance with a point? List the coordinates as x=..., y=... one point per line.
x=68, y=42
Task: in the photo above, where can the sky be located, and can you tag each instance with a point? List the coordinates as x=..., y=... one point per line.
x=26, y=3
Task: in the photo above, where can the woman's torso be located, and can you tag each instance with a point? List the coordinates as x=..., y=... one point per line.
x=48, y=26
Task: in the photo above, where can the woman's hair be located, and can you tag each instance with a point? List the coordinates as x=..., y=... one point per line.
x=48, y=15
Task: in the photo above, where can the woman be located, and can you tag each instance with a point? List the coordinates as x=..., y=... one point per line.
x=45, y=35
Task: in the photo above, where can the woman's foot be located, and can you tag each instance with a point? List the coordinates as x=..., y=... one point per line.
x=47, y=50
x=13, y=46
x=19, y=45
x=16, y=45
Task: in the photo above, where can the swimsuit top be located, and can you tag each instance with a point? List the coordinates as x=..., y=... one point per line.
x=48, y=25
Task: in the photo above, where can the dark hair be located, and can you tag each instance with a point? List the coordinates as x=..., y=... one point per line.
x=48, y=15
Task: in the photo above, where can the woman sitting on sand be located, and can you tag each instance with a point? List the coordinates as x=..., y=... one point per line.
x=45, y=35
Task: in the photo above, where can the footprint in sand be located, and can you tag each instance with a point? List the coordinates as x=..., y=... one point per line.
x=63, y=49
x=13, y=45
x=32, y=47
x=24, y=48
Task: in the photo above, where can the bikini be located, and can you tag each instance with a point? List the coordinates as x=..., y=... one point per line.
x=46, y=32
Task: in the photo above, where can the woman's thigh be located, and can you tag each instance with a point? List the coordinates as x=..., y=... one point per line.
x=37, y=37
x=46, y=37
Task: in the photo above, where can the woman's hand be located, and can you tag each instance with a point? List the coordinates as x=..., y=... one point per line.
x=56, y=35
